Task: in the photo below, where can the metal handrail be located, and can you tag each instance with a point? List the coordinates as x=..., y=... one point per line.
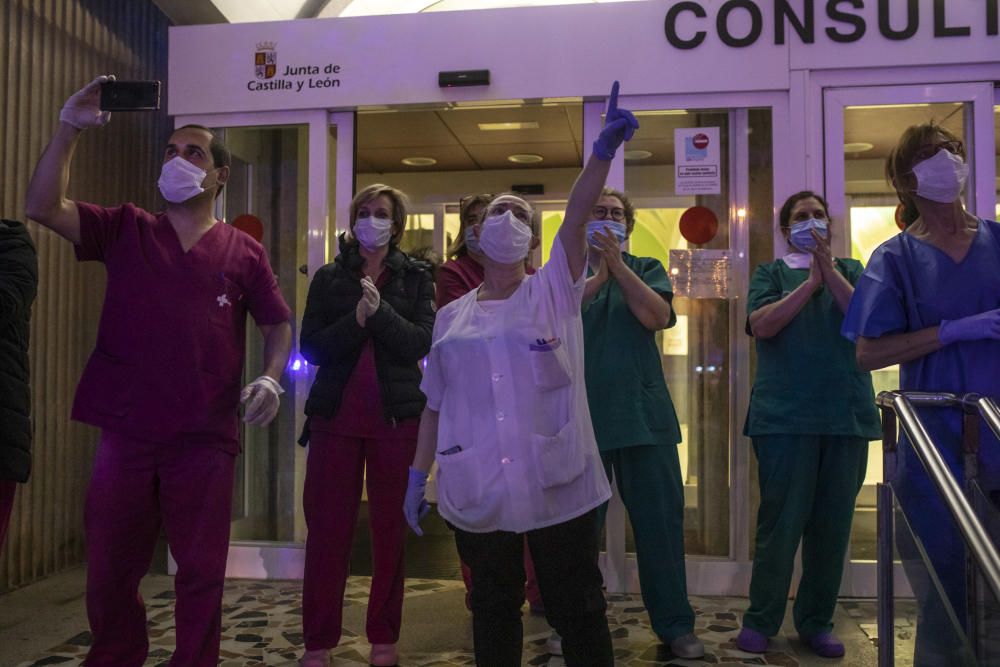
x=979, y=543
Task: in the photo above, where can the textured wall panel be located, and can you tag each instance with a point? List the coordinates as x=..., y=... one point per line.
x=49, y=49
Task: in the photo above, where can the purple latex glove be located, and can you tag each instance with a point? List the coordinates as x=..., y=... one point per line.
x=974, y=327
x=619, y=126
x=415, y=507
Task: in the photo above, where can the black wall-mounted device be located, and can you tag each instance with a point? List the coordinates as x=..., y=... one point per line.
x=528, y=189
x=468, y=77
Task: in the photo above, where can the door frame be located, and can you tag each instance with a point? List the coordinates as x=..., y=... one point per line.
x=708, y=575
x=286, y=560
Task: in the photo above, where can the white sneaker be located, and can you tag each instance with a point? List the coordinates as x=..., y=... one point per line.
x=554, y=644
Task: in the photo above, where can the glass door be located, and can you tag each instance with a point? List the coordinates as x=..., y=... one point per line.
x=861, y=126
x=283, y=190
x=707, y=160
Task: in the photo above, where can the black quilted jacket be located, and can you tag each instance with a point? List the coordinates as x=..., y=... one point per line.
x=18, y=285
x=401, y=328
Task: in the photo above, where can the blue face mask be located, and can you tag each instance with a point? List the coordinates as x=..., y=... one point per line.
x=800, y=235
x=471, y=242
x=594, y=226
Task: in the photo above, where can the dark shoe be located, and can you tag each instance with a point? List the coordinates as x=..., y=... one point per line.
x=687, y=646
x=825, y=645
x=751, y=641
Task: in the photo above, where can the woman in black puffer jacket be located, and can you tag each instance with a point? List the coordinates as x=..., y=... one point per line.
x=368, y=323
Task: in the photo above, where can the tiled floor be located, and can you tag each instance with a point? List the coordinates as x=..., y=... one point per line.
x=262, y=626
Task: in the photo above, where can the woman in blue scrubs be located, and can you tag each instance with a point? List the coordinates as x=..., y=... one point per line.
x=928, y=302
x=812, y=413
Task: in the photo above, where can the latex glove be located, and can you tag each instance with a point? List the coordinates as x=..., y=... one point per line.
x=974, y=327
x=619, y=126
x=261, y=400
x=606, y=245
x=415, y=506
x=83, y=108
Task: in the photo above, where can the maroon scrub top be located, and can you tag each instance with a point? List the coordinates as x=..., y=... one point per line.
x=168, y=362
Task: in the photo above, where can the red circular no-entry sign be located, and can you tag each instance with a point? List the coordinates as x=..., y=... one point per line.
x=700, y=141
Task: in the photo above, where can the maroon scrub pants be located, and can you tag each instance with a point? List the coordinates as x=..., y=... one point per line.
x=7, y=489
x=335, y=471
x=136, y=487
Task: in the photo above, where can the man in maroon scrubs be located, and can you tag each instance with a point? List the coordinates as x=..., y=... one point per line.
x=163, y=382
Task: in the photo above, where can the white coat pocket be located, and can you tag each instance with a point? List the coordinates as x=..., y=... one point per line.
x=460, y=478
x=549, y=364
x=559, y=458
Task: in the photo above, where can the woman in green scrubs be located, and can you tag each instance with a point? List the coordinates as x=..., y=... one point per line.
x=626, y=300
x=812, y=413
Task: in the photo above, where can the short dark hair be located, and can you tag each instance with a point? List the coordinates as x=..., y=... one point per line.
x=902, y=158
x=785, y=217
x=221, y=157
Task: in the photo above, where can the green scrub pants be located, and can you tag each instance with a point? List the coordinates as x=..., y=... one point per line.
x=808, y=486
x=649, y=482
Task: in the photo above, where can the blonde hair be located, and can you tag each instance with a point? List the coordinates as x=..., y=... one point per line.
x=399, y=206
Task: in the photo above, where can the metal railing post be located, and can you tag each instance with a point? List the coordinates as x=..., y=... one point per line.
x=884, y=540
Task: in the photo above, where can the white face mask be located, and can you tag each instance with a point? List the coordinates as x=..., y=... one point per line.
x=505, y=239
x=180, y=180
x=941, y=178
x=372, y=232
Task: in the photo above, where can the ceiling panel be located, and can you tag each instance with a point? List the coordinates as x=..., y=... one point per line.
x=449, y=158
x=556, y=155
x=402, y=129
x=553, y=125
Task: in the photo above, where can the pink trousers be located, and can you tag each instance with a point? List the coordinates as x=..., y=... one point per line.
x=335, y=471
x=136, y=487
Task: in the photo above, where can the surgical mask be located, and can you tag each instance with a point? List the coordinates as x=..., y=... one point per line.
x=505, y=239
x=800, y=235
x=180, y=180
x=594, y=226
x=471, y=242
x=941, y=178
x=373, y=232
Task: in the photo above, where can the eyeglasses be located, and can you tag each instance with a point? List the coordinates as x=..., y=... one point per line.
x=928, y=151
x=602, y=212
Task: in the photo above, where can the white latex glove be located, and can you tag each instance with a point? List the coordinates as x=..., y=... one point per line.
x=369, y=302
x=83, y=108
x=261, y=400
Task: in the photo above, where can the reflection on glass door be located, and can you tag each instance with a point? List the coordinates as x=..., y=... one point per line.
x=269, y=181
x=698, y=352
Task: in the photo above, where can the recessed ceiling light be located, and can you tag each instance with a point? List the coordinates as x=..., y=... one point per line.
x=662, y=112
x=637, y=154
x=418, y=161
x=493, y=127
x=525, y=158
x=858, y=147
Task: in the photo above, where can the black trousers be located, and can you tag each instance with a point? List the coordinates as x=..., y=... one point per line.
x=570, y=582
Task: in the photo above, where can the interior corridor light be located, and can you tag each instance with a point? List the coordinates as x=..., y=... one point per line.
x=524, y=158
x=522, y=125
x=636, y=154
x=858, y=147
x=418, y=161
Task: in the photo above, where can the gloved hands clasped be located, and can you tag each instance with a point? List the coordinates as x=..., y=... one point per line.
x=83, y=108
x=415, y=506
x=974, y=327
x=619, y=126
x=261, y=400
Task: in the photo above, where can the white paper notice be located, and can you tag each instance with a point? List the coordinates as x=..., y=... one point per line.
x=696, y=161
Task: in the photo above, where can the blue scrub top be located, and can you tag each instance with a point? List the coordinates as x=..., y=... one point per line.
x=911, y=285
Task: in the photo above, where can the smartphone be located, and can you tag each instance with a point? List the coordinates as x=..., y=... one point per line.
x=130, y=95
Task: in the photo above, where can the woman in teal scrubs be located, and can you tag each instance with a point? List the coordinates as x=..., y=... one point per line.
x=812, y=413
x=627, y=299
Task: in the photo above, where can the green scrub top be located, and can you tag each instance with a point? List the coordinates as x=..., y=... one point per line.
x=628, y=397
x=808, y=381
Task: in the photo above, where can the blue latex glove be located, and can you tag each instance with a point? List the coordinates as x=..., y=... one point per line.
x=415, y=507
x=974, y=327
x=619, y=126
